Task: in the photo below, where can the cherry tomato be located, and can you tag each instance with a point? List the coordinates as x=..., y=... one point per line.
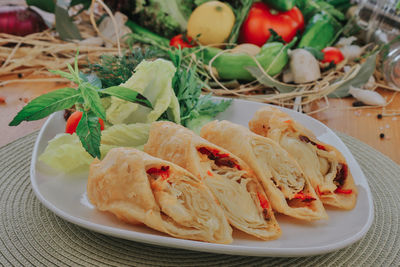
x=73, y=122
x=332, y=54
x=181, y=40
x=256, y=28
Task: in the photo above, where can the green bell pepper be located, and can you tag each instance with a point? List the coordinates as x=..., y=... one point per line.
x=320, y=32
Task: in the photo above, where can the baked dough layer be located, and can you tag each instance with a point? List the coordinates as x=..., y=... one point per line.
x=229, y=178
x=322, y=163
x=288, y=189
x=139, y=188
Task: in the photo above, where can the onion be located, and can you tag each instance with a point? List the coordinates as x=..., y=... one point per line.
x=20, y=21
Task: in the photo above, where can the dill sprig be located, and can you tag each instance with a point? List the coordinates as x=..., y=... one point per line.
x=114, y=70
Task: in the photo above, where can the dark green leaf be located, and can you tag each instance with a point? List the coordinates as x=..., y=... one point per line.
x=46, y=104
x=315, y=52
x=361, y=78
x=46, y=5
x=91, y=78
x=64, y=25
x=85, y=3
x=92, y=99
x=115, y=70
x=267, y=80
x=211, y=107
x=89, y=132
x=127, y=94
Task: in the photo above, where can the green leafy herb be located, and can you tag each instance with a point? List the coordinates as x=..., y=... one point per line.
x=64, y=25
x=115, y=70
x=187, y=86
x=87, y=97
x=126, y=94
x=361, y=78
x=47, y=104
x=88, y=131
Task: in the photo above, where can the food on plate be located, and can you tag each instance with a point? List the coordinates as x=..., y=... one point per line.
x=230, y=179
x=138, y=188
x=285, y=184
x=202, y=24
x=323, y=164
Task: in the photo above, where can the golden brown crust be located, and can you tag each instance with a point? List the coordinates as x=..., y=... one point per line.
x=282, y=178
x=232, y=182
x=137, y=187
x=322, y=163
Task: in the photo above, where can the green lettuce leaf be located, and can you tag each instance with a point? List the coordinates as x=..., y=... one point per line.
x=65, y=152
x=152, y=79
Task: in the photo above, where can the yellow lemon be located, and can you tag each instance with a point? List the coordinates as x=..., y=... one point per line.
x=211, y=23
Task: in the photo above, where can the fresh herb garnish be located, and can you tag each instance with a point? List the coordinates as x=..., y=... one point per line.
x=87, y=98
x=187, y=87
x=115, y=70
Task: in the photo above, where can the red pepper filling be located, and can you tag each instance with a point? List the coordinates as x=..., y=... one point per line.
x=163, y=172
x=303, y=197
x=340, y=178
x=339, y=190
x=307, y=140
x=221, y=159
x=263, y=201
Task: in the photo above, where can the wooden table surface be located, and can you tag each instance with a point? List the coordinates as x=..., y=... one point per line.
x=360, y=123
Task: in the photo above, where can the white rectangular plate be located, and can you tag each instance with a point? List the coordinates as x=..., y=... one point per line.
x=65, y=195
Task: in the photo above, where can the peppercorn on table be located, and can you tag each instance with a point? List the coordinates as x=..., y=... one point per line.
x=372, y=126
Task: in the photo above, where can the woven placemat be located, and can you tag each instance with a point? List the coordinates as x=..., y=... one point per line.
x=30, y=234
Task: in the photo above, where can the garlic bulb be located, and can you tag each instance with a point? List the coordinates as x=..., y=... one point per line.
x=304, y=66
x=368, y=97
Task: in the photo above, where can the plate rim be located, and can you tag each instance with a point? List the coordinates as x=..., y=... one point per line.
x=199, y=245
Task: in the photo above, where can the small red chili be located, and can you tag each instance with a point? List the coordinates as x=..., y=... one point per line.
x=303, y=197
x=263, y=201
x=321, y=147
x=210, y=173
x=339, y=190
x=163, y=172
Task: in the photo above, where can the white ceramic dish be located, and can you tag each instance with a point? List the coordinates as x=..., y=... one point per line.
x=65, y=195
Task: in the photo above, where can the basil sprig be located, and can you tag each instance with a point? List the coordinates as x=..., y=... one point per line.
x=87, y=97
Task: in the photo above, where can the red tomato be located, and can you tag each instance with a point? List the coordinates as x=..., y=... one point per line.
x=73, y=122
x=182, y=41
x=332, y=54
x=255, y=29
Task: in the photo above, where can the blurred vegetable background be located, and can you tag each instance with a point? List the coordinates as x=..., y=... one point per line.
x=236, y=48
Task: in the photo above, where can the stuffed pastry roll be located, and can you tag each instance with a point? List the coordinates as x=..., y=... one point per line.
x=323, y=164
x=288, y=189
x=231, y=181
x=138, y=188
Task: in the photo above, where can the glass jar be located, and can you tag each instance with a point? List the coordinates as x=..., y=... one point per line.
x=379, y=21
